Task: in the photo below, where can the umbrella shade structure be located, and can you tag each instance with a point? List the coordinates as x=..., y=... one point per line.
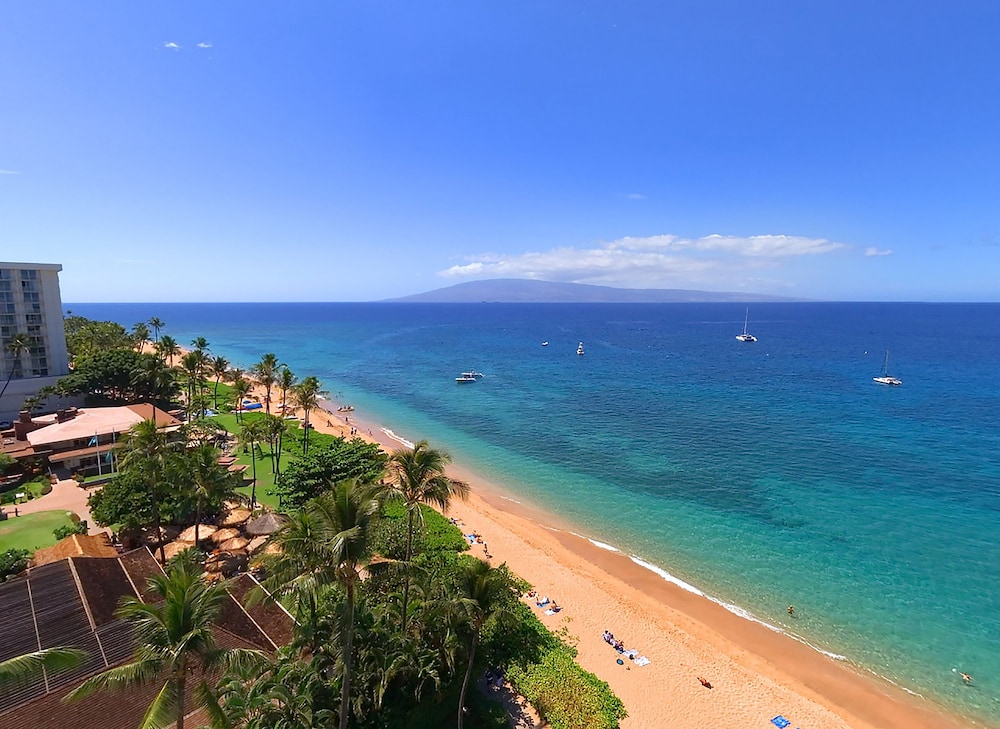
x=255, y=544
x=263, y=525
x=235, y=517
x=204, y=532
x=236, y=544
x=173, y=549
x=222, y=535
x=166, y=534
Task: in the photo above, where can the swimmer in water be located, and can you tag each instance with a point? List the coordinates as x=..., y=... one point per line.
x=791, y=610
x=966, y=677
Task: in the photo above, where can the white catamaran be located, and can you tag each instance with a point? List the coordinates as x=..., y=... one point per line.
x=884, y=378
x=745, y=337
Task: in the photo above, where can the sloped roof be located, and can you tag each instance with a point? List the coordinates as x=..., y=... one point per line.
x=72, y=603
x=89, y=422
x=76, y=545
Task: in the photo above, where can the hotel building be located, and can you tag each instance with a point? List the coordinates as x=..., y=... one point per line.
x=30, y=304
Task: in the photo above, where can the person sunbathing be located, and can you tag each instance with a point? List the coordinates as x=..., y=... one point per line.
x=705, y=682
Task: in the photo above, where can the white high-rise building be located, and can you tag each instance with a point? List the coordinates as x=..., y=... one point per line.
x=30, y=305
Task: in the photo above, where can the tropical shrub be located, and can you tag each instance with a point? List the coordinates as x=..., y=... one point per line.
x=13, y=562
x=67, y=530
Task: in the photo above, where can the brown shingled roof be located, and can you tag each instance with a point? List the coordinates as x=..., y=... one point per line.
x=76, y=545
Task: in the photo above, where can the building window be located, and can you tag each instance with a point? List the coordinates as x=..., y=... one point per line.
x=29, y=274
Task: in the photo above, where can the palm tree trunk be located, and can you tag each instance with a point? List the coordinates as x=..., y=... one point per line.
x=197, y=519
x=215, y=397
x=253, y=460
x=465, y=683
x=345, y=683
x=305, y=432
x=406, y=568
x=156, y=524
x=181, y=681
x=9, y=377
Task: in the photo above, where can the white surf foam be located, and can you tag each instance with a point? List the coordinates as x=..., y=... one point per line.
x=397, y=438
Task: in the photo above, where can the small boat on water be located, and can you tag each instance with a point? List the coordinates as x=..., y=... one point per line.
x=745, y=336
x=346, y=409
x=579, y=348
x=884, y=378
x=545, y=344
x=470, y=376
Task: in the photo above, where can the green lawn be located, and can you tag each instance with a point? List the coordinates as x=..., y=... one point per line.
x=31, y=531
x=34, y=487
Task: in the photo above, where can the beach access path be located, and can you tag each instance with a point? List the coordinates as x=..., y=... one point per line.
x=66, y=495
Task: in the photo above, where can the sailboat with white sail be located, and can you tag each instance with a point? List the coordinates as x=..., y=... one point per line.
x=884, y=378
x=745, y=336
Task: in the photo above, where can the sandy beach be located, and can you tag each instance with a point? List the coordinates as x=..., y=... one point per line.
x=756, y=673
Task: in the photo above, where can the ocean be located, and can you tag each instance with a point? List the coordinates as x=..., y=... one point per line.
x=764, y=474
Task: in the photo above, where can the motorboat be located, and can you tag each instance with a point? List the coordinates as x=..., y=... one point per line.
x=465, y=377
x=473, y=374
x=884, y=378
x=545, y=344
x=579, y=348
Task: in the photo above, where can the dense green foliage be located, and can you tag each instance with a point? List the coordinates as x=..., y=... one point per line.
x=6, y=462
x=310, y=475
x=566, y=695
x=13, y=562
x=86, y=337
x=66, y=530
x=120, y=376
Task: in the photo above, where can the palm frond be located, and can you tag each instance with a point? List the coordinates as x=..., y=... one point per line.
x=50, y=659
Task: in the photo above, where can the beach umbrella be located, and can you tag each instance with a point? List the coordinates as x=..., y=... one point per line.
x=256, y=543
x=204, y=532
x=269, y=523
x=224, y=534
x=174, y=548
x=235, y=517
x=235, y=544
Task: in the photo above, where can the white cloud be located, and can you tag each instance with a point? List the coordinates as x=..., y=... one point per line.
x=662, y=261
x=872, y=251
x=9, y=172
x=172, y=46
x=204, y=45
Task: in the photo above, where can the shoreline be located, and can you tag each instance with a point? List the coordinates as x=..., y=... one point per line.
x=757, y=671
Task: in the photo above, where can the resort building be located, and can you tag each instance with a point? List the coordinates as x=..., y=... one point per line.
x=30, y=306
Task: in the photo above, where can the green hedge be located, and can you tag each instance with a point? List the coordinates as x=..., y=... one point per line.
x=565, y=695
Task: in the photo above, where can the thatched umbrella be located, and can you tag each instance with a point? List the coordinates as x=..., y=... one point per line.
x=269, y=523
x=235, y=517
x=235, y=544
x=256, y=543
x=223, y=534
x=174, y=548
x=166, y=534
x=204, y=532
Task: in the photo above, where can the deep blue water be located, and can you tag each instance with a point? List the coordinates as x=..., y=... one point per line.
x=765, y=474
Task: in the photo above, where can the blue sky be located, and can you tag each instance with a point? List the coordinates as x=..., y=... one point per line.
x=349, y=151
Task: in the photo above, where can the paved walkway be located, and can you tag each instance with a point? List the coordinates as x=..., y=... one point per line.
x=66, y=495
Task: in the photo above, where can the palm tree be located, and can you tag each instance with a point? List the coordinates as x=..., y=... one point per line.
x=274, y=429
x=266, y=372
x=251, y=434
x=286, y=381
x=175, y=638
x=306, y=396
x=16, y=346
x=140, y=334
x=157, y=325
x=326, y=543
x=147, y=451
x=486, y=592
x=200, y=344
x=193, y=363
x=168, y=348
x=220, y=366
x=241, y=388
x=210, y=479
x=420, y=479
x=50, y=660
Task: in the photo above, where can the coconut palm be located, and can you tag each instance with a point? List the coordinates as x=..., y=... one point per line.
x=266, y=372
x=325, y=543
x=210, y=479
x=420, y=479
x=50, y=660
x=251, y=434
x=140, y=334
x=156, y=323
x=200, y=344
x=175, y=638
x=273, y=427
x=219, y=366
x=241, y=389
x=193, y=363
x=16, y=346
x=168, y=348
x=147, y=451
x=306, y=396
x=286, y=381
x=486, y=592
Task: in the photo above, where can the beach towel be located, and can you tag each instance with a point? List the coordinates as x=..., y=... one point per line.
x=542, y=602
x=550, y=612
x=642, y=661
x=780, y=721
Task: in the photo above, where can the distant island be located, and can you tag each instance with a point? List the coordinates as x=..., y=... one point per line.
x=525, y=291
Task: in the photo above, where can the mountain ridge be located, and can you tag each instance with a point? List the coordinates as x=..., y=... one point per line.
x=516, y=290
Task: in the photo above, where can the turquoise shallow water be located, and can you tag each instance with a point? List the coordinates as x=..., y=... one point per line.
x=765, y=474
